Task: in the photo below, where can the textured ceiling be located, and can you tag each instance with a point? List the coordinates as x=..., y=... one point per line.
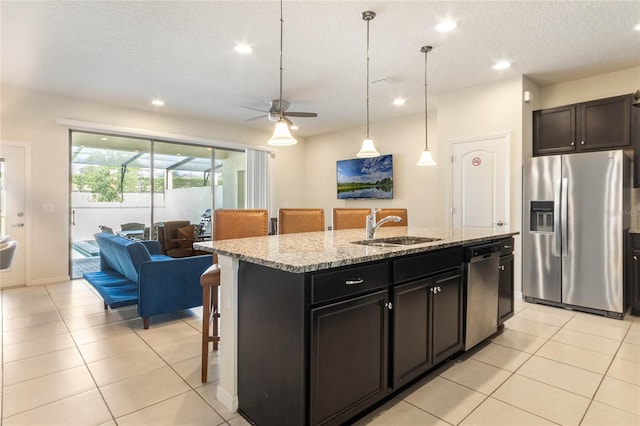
x=127, y=53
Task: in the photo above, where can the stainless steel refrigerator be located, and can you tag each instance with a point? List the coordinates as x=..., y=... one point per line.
x=576, y=218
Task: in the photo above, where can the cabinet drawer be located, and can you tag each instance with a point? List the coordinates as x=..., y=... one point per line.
x=351, y=281
x=506, y=246
x=426, y=264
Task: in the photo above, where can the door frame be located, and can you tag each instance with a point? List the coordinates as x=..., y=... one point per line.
x=28, y=210
x=506, y=139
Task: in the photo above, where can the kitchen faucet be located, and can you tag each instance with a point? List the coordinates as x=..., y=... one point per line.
x=371, y=224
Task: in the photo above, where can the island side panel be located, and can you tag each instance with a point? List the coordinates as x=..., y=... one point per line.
x=271, y=345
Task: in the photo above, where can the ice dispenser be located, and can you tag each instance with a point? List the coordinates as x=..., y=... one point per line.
x=541, y=216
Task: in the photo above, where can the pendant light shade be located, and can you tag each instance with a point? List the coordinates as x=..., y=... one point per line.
x=426, y=159
x=282, y=134
x=368, y=149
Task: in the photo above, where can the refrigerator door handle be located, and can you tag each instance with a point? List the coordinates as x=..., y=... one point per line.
x=564, y=215
x=557, y=233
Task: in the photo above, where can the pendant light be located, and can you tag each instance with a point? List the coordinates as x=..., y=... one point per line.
x=426, y=159
x=368, y=149
x=281, y=135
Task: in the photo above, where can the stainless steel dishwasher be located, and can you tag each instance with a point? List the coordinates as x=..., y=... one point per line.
x=481, y=281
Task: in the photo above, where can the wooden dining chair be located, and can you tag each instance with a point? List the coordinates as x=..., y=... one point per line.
x=349, y=218
x=402, y=213
x=227, y=224
x=292, y=221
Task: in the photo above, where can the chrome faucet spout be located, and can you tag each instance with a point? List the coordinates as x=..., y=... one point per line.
x=372, y=225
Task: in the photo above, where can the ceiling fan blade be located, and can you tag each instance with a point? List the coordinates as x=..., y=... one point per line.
x=300, y=114
x=255, y=109
x=257, y=118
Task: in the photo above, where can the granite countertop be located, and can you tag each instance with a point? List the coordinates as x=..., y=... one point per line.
x=313, y=251
x=634, y=231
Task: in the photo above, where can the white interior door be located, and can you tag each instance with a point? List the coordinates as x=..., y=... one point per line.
x=13, y=209
x=479, y=183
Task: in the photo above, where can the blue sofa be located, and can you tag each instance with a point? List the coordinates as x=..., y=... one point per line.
x=134, y=272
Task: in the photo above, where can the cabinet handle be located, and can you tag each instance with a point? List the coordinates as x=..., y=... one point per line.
x=388, y=305
x=507, y=247
x=582, y=143
x=439, y=289
x=501, y=267
x=573, y=143
x=354, y=282
x=635, y=257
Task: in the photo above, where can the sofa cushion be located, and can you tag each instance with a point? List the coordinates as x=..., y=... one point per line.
x=116, y=290
x=121, y=254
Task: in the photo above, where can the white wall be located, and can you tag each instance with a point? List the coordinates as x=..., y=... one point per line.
x=30, y=116
x=587, y=89
x=414, y=187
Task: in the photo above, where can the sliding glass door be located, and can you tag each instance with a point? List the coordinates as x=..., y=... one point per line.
x=132, y=186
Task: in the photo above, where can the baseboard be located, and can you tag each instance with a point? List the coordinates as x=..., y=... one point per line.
x=53, y=280
x=226, y=399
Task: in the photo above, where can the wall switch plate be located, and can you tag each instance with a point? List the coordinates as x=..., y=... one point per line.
x=47, y=208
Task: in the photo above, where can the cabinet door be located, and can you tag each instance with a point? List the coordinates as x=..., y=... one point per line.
x=348, y=357
x=505, y=289
x=411, y=322
x=635, y=285
x=554, y=130
x=446, y=316
x=605, y=123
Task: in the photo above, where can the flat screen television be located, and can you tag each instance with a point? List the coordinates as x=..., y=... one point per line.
x=365, y=178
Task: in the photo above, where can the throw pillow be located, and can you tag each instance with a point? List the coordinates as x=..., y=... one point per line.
x=186, y=234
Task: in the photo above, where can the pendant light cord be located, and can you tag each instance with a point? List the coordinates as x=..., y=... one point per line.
x=281, y=44
x=368, y=20
x=426, y=50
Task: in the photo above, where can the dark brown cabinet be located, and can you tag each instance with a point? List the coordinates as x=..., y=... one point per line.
x=427, y=313
x=589, y=126
x=349, y=357
x=505, y=281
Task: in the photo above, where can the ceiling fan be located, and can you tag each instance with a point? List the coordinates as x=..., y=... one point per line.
x=274, y=112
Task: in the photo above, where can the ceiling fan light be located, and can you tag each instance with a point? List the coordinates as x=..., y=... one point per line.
x=368, y=149
x=281, y=135
x=426, y=159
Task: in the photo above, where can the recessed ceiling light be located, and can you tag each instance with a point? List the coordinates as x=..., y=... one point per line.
x=399, y=101
x=637, y=27
x=446, y=26
x=158, y=102
x=243, y=48
x=502, y=65
x=104, y=139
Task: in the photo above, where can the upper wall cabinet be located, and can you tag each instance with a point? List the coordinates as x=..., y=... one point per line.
x=588, y=126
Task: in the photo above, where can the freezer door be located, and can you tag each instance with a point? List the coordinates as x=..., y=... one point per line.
x=541, y=261
x=592, y=271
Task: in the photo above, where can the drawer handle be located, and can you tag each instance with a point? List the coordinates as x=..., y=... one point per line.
x=354, y=282
x=507, y=246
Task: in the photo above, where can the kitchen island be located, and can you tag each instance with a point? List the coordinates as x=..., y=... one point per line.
x=316, y=327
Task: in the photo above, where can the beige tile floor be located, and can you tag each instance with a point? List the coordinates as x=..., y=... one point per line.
x=68, y=362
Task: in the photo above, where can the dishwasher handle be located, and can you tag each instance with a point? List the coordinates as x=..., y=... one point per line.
x=482, y=251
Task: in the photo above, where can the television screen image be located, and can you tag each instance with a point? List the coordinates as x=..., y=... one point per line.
x=365, y=178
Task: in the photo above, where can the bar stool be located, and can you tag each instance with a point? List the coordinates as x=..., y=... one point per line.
x=291, y=221
x=227, y=224
x=344, y=218
x=402, y=213
x=209, y=280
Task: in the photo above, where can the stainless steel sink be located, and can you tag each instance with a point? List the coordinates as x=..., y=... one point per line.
x=397, y=241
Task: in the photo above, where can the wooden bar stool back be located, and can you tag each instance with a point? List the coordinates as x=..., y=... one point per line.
x=344, y=218
x=292, y=221
x=227, y=224
x=402, y=213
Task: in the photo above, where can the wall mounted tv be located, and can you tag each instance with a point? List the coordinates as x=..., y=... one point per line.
x=365, y=178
